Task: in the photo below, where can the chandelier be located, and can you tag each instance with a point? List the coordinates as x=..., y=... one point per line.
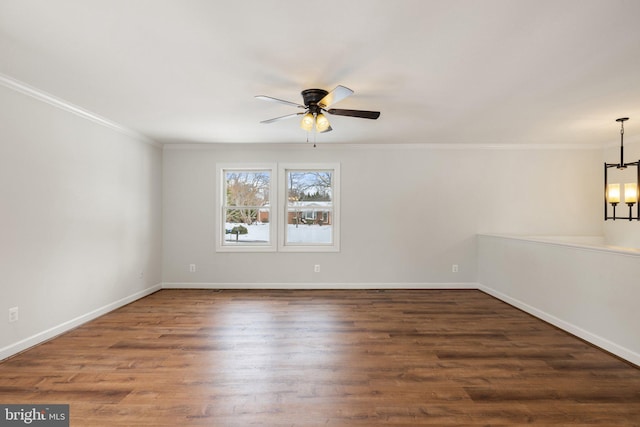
x=616, y=192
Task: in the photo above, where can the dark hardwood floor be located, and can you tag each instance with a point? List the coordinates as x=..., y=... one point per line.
x=324, y=358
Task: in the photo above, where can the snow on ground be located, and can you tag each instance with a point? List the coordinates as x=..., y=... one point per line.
x=302, y=233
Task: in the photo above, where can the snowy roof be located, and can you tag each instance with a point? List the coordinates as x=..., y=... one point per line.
x=310, y=204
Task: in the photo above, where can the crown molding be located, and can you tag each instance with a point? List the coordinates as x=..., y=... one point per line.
x=377, y=146
x=40, y=95
x=627, y=141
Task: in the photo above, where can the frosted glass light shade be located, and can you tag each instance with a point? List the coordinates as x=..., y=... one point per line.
x=630, y=193
x=613, y=193
x=322, y=123
x=307, y=122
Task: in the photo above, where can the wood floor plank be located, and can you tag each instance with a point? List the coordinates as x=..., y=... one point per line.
x=324, y=357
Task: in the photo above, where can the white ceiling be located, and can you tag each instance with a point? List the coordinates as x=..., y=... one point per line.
x=446, y=71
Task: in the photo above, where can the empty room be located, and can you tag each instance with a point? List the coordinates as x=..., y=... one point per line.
x=340, y=213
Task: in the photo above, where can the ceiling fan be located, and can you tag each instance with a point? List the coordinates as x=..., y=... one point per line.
x=317, y=101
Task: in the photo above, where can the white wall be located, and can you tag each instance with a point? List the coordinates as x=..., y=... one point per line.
x=588, y=291
x=425, y=204
x=80, y=211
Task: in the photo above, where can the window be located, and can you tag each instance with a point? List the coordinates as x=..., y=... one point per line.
x=250, y=219
x=310, y=220
x=246, y=209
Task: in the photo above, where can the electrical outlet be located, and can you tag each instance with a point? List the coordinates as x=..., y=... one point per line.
x=316, y=268
x=454, y=268
x=192, y=268
x=13, y=314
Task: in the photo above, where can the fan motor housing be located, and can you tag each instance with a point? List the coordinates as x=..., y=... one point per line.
x=312, y=96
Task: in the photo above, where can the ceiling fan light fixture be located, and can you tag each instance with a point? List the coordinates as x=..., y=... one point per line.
x=307, y=122
x=316, y=102
x=322, y=123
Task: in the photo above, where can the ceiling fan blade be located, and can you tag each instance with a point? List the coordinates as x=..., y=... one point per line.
x=336, y=95
x=329, y=129
x=355, y=113
x=282, y=101
x=288, y=116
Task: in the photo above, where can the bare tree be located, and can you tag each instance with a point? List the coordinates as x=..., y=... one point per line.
x=248, y=191
x=304, y=184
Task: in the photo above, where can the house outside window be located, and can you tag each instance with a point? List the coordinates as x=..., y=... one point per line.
x=310, y=222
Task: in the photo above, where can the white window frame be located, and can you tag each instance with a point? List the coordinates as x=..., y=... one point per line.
x=220, y=207
x=334, y=246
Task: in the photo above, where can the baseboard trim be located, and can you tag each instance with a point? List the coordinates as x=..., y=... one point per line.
x=594, y=339
x=50, y=333
x=298, y=285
